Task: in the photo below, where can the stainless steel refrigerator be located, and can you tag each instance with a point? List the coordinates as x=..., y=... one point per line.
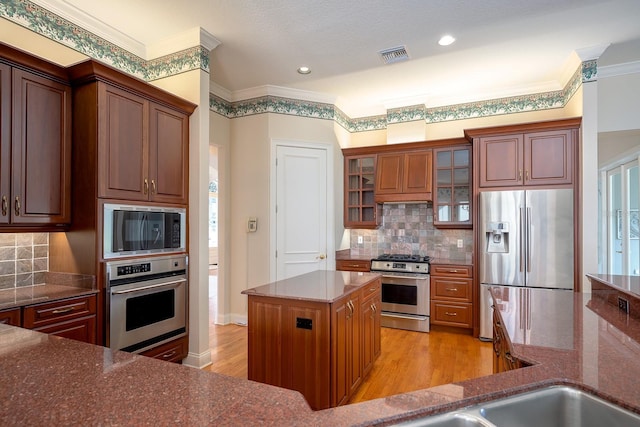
x=526, y=240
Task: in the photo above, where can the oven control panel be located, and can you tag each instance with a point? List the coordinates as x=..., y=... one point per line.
x=126, y=270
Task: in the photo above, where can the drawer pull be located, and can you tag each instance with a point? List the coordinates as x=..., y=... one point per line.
x=169, y=355
x=453, y=271
x=452, y=289
x=450, y=314
x=63, y=310
x=372, y=289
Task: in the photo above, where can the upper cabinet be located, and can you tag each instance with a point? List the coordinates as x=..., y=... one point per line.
x=360, y=209
x=540, y=154
x=452, y=181
x=135, y=136
x=404, y=176
x=35, y=151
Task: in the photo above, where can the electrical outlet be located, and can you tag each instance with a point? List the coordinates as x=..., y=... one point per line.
x=460, y=243
x=360, y=240
x=623, y=305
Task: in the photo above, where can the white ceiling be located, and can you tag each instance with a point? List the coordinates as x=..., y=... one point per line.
x=503, y=47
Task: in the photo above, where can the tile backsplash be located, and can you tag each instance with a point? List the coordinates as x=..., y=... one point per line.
x=24, y=259
x=408, y=229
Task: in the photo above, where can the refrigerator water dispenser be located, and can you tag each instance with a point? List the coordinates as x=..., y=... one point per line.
x=497, y=237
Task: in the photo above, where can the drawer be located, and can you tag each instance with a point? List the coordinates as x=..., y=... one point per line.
x=451, y=314
x=353, y=265
x=451, y=270
x=451, y=289
x=173, y=351
x=10, y=317
x=371, y=289
x=39, y=315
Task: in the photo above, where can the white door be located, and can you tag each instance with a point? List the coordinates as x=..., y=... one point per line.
x=301, y=210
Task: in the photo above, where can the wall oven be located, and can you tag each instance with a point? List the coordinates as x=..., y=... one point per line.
x=405, y=291
x=147, y=300
x=141, y=230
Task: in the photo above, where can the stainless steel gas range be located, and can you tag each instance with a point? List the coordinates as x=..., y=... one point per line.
x=405, y=291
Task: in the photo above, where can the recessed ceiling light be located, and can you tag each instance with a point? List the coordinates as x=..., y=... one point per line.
x=446, y=40
x=304, y=70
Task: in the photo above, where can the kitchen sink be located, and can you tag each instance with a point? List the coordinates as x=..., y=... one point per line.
x=552, y=406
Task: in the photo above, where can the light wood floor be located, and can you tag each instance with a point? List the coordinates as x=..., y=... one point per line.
x=409, y=361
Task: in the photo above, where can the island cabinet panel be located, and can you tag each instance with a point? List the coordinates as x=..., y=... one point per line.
x=346, y=344
x=266, y=341
x=370, y=312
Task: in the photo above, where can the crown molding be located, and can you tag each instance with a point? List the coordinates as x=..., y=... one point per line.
x=619, y=69
x=93, y=25
x=281, y=92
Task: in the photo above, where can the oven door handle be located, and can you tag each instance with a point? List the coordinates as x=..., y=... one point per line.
x=390, y=276
x=144, y=288
x=405, y=316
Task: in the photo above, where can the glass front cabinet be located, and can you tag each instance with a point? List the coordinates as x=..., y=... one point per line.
x=452, y=187
x=360, y=209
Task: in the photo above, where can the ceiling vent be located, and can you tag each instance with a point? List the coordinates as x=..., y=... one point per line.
x=393, y=55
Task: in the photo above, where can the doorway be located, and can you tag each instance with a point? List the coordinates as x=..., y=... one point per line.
x=302, y=234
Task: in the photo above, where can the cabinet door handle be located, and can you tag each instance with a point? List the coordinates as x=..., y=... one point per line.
x=452, y=289
x=5, y=206
x=17, y=206
x=450, y=314
x=146, y=186
x=63, y=310
x=520, y=175
x=153, y=186
x=527, y=176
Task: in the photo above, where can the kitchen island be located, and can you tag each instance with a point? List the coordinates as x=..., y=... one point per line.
x=317, y=333
x=56, y=381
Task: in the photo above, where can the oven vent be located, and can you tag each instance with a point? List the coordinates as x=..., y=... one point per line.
x=394, y=54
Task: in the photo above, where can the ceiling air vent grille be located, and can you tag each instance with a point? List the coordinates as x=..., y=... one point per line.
x=393, y=55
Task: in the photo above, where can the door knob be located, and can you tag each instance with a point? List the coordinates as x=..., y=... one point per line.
x=321, y=256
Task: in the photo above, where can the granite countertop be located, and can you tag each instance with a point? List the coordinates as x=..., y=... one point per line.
x=51, y=380
x=57, y=286
x=319, y=285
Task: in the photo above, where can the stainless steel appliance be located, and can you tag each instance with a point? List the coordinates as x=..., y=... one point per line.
x=135, y=230
x=526, y=240
x=405, y=291
x=147, y=300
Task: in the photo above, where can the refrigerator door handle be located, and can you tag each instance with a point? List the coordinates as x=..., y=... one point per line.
x=522, y=243
x=528, y=244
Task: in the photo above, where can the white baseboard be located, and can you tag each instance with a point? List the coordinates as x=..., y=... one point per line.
x=198, y=361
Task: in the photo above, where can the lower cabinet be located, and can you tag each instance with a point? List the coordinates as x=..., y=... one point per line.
x=503, y=360
x=321, y=349
x=11, y=317
x=73, y=318
x=451, y=295
x=173, y=351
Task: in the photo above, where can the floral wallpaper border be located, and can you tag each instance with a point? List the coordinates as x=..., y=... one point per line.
x=54, y=27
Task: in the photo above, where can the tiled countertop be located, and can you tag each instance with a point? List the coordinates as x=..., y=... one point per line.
x=54, y=381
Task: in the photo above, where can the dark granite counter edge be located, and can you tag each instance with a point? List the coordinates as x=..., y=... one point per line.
x=36, y=294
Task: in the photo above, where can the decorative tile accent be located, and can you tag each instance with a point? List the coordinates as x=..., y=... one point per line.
x=408, y=229
x=589, y=71
x=406, y=114
x=24, y=258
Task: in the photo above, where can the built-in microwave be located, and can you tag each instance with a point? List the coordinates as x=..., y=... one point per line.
x=141, y=230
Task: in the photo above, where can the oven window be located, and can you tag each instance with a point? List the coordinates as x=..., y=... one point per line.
x=400, y=294
x=149, y=309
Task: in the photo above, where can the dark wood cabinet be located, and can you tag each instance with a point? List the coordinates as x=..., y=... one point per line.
x=346, y=348
x=404, y=176
x=11, y=317
x=353, y=265
x=503, y=359
x=453, y=190
x=371, y=317
x=144, y=152
x=135, y=137
x=539, y=158
x=73, y=318
x=360, y=208
x=173, y=351
x=35, y=152
x=452, y=295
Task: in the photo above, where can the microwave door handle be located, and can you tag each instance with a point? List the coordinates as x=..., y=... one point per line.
x=143, y=232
